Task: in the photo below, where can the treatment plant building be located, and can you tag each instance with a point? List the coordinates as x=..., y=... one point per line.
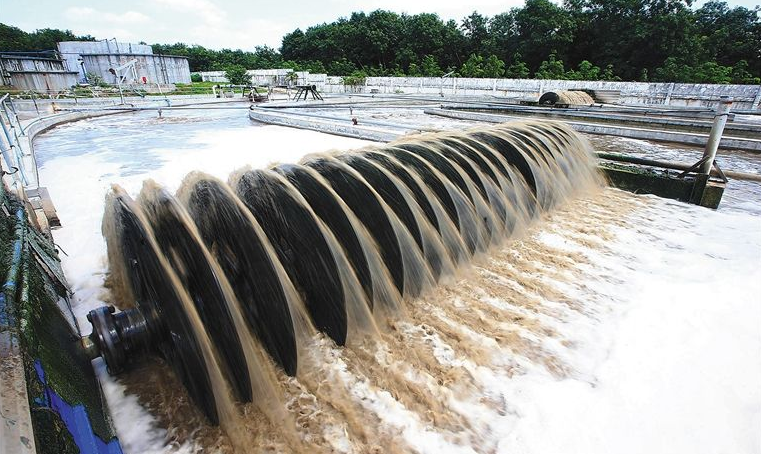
x=100, y=57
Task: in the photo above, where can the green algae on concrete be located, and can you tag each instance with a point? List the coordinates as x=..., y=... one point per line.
x=48, y=337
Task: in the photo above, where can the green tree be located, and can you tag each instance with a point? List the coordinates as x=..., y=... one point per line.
x=585, y=71
x=608, y=74
x=95, y=79
x=518, y=69
x=475, y=28
x=473, y=67
x=503, y=38
x=712, y=73
x=673, y=71
x=429, y=67
x=729, y=35
x=13, y=39
x=355, y=79
x=292, y=78
x=543, y=28
x=341, y=67
x=740, y=74
x=552, y=68
x=662, y=40
x=314, y=67
x=494, y=67
x=236, y=75
x=413, y=70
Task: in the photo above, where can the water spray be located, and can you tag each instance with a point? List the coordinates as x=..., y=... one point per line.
x=333, y=245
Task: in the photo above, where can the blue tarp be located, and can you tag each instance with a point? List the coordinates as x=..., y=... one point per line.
x=76, y=420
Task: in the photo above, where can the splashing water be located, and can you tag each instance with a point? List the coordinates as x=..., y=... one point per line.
x=248, y=287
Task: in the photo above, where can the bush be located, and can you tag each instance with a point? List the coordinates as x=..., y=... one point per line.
x=195, y=77
x=473, y=67
x=551, y=69
x=236, y=75
x=518, y=69
x=355, y=79
x=95, y=80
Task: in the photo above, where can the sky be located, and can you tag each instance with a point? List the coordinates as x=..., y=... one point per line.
x=216, y=24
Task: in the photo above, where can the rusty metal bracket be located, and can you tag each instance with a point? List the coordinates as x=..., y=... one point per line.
x=693, y=168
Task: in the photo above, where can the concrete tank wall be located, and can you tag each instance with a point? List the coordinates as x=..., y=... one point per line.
x=71, y=50
x=21, y=63
x=43, y=81
x=161, y=69
x=34, y=73
x=213, y=76
x=269, y=77
x=745, y=97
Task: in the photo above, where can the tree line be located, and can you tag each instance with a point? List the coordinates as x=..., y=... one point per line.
x=633, y=40
x=13, y=39
x=659, y=40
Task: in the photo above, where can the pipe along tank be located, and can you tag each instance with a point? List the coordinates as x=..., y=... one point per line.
x=324, y=245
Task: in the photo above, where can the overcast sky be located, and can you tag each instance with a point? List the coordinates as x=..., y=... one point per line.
x=216, y=24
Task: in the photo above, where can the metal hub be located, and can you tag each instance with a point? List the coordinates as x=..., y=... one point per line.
x=117, y=337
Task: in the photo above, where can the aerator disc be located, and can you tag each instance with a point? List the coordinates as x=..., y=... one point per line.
x=201, y=280
x=234, y=239
x=365, y=205
x=301, y=247
x=325, y=204
x=153, y=285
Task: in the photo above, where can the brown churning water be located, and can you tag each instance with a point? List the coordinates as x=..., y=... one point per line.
x=245, y=283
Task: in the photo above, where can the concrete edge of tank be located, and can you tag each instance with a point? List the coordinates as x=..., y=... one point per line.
x=664, y=184
x=64, y=403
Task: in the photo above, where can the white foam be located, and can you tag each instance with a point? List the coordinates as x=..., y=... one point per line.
x=680, y=366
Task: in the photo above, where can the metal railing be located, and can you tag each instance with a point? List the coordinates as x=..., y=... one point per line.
x=14, y=143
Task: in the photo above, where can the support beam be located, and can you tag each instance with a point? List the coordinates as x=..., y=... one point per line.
x=719, y=121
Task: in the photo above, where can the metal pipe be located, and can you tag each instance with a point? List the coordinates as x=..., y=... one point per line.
x=5, y=129
x=10, y=122
x=16, y=436
x=15, y=115
x=12, y=148
x=719, y=121
x=36, y=107
x=117, y=337
x=675, y=166
x=15, y=146
x=7, y=157
x=11, y=282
